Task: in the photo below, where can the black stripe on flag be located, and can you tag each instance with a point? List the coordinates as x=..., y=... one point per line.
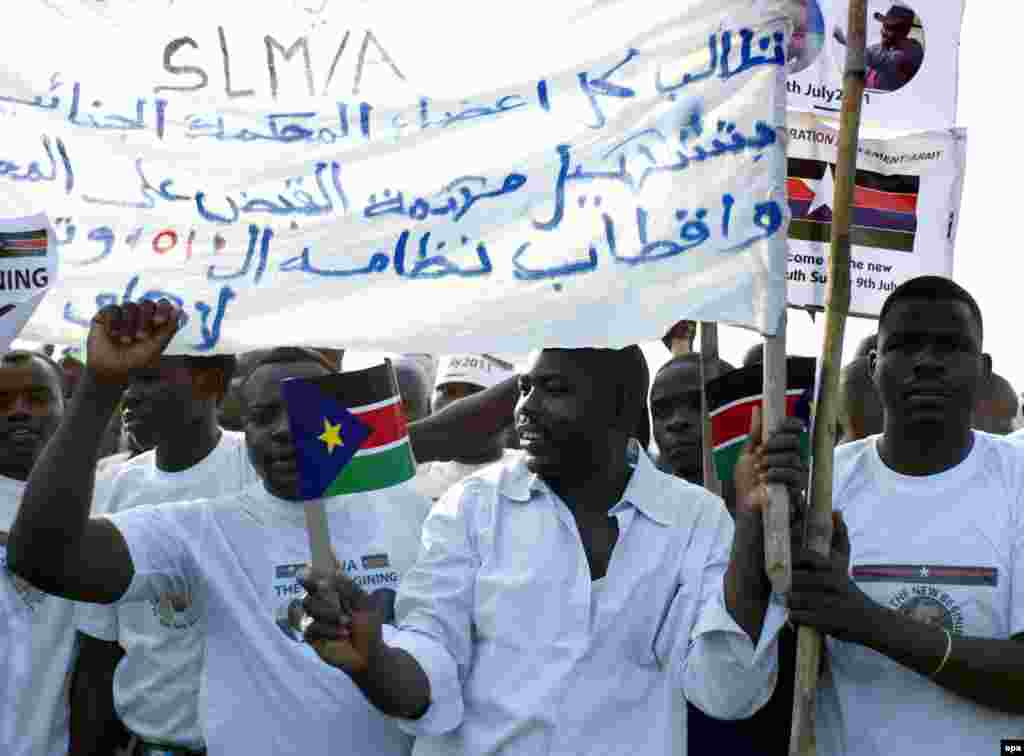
x=803, y=168
x=748, y=381
x=359, y=387
x=929, y=574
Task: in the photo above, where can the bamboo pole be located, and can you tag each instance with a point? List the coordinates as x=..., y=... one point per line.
x=818, y=534
x=708, y=359
x=778, y=560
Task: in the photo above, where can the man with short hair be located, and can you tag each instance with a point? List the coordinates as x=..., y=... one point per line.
x=232, y=559
x=567, y=599
x=860, y=411
x=677, y=416
x=923, y=595
x=37, y=639
x=997, y=407
x=140, y=663
x=896, y=59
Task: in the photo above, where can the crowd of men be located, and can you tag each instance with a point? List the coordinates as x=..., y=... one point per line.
x=552, y=581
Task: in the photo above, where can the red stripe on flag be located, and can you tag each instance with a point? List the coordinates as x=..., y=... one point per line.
x=889, y=201
x=386, y=424
x=798, y=190
x=24, y=243
x=735, y=421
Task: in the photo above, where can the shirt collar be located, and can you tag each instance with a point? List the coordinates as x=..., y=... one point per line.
x=644, y=491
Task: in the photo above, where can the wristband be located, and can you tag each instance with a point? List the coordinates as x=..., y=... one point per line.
x=945, y=658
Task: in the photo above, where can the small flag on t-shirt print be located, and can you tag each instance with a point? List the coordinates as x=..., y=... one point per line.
x=731, y=401
x=32, y=243
x=349, y=431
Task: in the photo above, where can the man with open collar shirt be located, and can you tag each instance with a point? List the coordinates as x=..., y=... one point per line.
x=572, y=598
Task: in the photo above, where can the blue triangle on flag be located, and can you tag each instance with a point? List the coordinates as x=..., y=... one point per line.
x=326, y=435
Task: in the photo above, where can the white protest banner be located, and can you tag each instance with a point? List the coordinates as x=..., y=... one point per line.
x=376, y=177
x=28, y=267
x=905, y=210
x=912, y=58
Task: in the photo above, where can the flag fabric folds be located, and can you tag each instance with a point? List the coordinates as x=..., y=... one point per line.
x=349, y=431
x=732, y=398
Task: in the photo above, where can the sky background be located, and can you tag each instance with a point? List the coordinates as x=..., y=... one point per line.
x=987, y=262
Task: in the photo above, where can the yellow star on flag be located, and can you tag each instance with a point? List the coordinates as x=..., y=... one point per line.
x=331, y=436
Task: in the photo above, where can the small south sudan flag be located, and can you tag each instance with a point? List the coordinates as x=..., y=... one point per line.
x=23, y=243
x=731, y=401
x=349, y=431
x=884, y=207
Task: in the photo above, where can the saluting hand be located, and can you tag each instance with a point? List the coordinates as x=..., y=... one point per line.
x=125, y=338
x=346, y=628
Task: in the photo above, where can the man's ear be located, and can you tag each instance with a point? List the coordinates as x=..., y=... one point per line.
x=986, y=366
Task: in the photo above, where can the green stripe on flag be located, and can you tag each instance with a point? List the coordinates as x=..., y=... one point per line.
x=369, y=472
x=860, y=236
x=726, y=456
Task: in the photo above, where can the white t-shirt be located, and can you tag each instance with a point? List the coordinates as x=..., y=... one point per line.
x=266, y=691
x=945, y=548
x=37, y=649
x=1017, y=435
x=433, y=479
x=156, y=685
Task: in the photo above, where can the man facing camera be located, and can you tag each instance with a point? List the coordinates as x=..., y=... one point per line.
x=571, y=598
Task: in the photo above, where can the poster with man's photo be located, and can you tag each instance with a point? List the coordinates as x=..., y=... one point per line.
x=912, y=61
x=906, y=207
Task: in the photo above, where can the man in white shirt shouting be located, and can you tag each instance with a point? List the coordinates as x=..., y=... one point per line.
x=571, y=599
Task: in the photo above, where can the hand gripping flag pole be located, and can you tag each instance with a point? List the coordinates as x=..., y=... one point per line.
x=818, y=533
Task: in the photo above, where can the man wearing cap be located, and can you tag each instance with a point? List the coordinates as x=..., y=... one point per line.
x=459, y=376
x=894, y=61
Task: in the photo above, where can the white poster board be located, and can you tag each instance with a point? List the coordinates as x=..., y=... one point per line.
x=913, y=61
x=905, y=211
x=384, y=178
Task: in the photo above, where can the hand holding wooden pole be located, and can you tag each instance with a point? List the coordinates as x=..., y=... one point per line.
x=818, y=535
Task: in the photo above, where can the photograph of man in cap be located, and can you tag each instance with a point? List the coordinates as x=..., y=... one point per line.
x=897, y=58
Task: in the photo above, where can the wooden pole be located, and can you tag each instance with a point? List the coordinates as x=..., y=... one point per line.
x=818, y=534
x=778, y=560
x=708, y=359
x=319, y=536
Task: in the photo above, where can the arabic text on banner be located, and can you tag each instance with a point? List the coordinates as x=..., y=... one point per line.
x=385, y=178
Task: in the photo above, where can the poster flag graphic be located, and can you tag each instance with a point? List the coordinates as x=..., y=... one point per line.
x=906, y=208
x=912, y=58
x=391, y=180
x=350, y=432
x=28, y=268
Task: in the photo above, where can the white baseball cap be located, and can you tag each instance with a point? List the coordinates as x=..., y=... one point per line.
x=476, y=369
